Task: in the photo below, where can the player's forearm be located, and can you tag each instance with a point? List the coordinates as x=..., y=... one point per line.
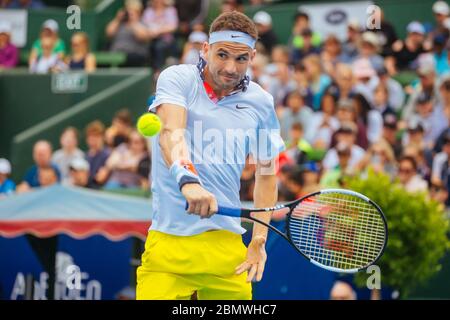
x=171, y=137
x=265, y=195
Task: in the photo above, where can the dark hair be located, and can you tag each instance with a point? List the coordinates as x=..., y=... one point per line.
x=236, y=21
x=410, y=159
x=124, y=116
x=365, y=107
x=95, y=128
x=297, y=126
x=301, y=14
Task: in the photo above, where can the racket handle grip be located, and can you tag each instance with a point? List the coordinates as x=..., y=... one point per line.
x=225, y=211
x=231, y=212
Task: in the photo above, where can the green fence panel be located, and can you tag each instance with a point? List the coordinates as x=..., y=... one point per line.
x=30, y=111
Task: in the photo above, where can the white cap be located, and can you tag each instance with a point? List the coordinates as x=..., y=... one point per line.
x=5, y=166
x=441, y=7
x=79, y=164
x=5, y=27
x=262, y=17
x=354, y=24
x=370, y=37
x=50, y=24
x=415, y=27
x=198, y=36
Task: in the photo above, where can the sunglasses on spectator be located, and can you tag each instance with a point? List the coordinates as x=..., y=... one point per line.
x=406, y=170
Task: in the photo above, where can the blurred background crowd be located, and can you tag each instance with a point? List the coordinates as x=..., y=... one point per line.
x=343, y=110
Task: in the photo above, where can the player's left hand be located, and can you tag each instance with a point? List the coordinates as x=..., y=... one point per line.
x=255, y=261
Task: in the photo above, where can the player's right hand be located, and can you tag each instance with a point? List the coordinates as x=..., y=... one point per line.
x=200, y=201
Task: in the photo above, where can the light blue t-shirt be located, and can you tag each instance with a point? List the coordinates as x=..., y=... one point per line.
x=220, y=136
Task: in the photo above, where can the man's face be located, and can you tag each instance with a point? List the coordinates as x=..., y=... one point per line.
x=227, y=63
x=405, y=171
x=94, y=141
x=79, y=177
x=42, y=155
x=47, y=177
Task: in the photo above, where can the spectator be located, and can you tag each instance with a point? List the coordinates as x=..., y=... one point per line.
x=331, y=55
x=97, y=154
x=323, y=123
x=296, y=40
x=7, y=186
x=386, y=33
x=344, y=82
x=440, y=54
x=346, y=136
x=81, y=58
x=78, y=173
x=369, y=121
x=42, y=154
x=296, y=111
x=9, y=55
x=441, y=12
x=191, y=14
x=407, y=174
x=336, y=171
x=123, y=163
x=369, y=49
x=381, y=100
x=404, y=53
x=428, y=85
x=267, y=36
x=351, y=44
x=439, y=193
x=380, y=158
x=161, y=21
x=365, y=78
x=396, y=94
x=431, y=118
x=193, y=48
x=297, y=147
x=389, y=134
x=414, y=135
x=47, y=177
x=257, y=68
x=48, y=61
x=444, y=90
x=307, y=49
x=49, y=30
x=232, y=5
x=120, y=129
x=419, y=155
x=69, y=151
x=440, y=168
x=318, y=80
x=129, y=35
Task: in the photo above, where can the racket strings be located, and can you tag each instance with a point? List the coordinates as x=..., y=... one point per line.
x=338, y=230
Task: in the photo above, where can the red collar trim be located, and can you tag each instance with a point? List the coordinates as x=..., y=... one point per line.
x=210, y=92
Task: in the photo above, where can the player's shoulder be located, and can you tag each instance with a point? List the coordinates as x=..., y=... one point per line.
x=260, y=96
x=182, y=72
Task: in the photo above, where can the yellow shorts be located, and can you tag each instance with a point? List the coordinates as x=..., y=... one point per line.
x=174, y=267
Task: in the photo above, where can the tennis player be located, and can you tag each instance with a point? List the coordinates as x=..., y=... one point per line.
x=195, y=162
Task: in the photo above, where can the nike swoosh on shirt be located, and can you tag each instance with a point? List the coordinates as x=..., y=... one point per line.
x=238, y=107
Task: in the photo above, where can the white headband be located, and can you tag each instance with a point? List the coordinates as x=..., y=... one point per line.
x=232, y=36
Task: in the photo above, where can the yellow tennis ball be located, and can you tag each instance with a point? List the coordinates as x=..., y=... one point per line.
x=148, y=124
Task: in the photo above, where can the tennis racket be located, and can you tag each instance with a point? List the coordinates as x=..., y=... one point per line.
x=336, y=229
